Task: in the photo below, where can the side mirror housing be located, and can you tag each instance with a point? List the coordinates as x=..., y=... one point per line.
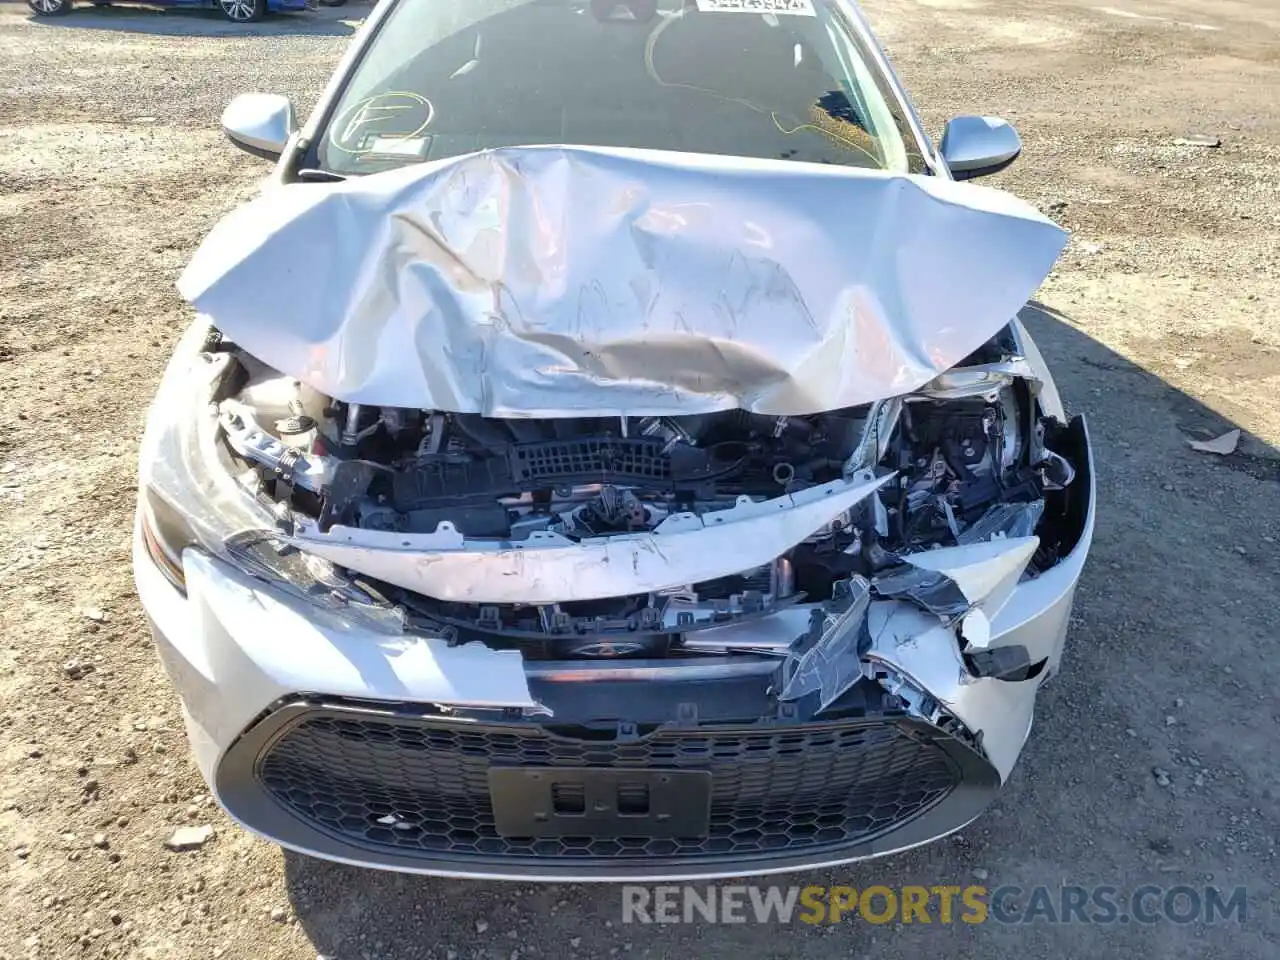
x=260, y=123
x=979, y=146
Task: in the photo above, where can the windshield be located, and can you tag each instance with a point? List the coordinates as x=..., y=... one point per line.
x=753, y=78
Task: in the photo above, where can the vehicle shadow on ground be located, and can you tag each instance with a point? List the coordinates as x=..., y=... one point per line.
x=1143, y=635
x=196, y=22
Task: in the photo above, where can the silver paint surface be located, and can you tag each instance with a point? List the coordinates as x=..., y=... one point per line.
x=572, y=281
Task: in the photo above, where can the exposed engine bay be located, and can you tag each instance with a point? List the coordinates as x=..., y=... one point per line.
x=967, y=459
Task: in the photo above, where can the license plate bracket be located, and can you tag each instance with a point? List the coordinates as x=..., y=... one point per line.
x=600, y=803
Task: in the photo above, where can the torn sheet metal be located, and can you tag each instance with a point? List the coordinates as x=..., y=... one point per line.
x=986, y=573
x=571, y=281
x=549, y=568
x=916, y=645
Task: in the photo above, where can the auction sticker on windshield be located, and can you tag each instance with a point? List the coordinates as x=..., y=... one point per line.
x=393, y=115
x=797, y=8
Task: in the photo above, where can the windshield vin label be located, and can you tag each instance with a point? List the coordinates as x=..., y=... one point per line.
x=795, y=8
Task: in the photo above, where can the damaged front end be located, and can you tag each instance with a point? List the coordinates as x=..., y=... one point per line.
x=895, y=576
x=704, y=638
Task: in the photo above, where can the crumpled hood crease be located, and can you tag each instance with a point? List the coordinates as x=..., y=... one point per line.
x=573, y=281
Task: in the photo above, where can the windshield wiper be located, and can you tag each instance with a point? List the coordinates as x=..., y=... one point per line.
x=319, y=176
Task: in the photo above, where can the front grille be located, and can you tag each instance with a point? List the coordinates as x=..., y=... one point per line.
x=418, y=786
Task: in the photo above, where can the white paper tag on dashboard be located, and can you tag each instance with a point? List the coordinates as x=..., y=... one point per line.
x=795, y=8
x=397, y=147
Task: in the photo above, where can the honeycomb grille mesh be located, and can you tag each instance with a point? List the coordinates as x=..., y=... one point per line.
x=421, y=784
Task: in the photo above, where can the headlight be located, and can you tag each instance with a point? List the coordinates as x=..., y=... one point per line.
x=190, y=498
x=186, y=497
x=162, y=539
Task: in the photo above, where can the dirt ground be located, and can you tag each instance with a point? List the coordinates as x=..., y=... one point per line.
x=1163, y=325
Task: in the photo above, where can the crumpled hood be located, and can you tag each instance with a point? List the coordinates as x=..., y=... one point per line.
x=572, y=281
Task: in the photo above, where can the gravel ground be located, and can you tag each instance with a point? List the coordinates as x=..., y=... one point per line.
x=1161, y=324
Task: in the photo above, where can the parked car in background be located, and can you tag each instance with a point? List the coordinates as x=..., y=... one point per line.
x=239, y=11
x=609, y=449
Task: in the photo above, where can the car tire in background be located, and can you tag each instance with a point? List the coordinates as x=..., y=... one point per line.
x=243, y=11
x=49, y=8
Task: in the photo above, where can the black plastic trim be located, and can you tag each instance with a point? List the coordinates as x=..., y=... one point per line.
x=240, y=791
x=988, y=171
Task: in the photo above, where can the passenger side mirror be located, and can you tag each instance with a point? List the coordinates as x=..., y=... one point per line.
x=260, y=123
x=979, y=146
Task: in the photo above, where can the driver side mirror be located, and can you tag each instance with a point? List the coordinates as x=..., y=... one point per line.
x=979, y=146
x=260, y=123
